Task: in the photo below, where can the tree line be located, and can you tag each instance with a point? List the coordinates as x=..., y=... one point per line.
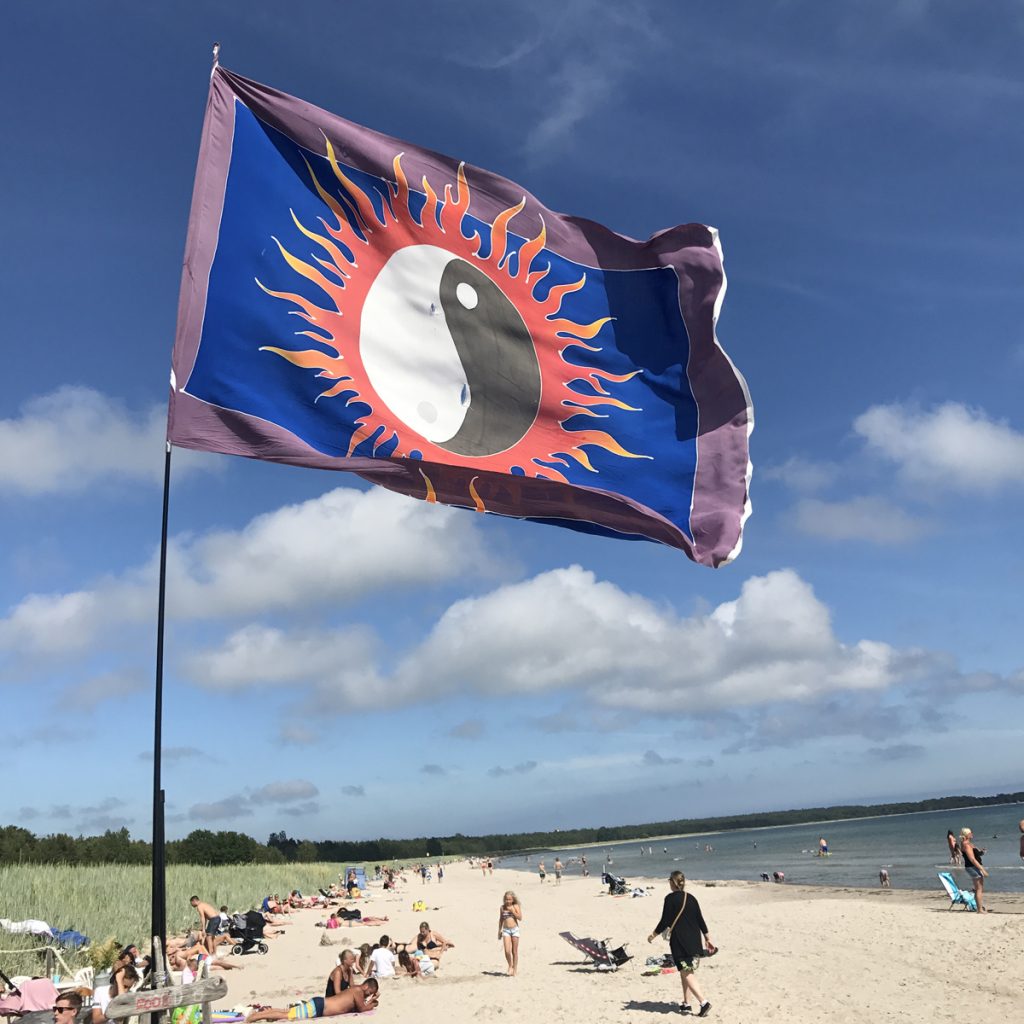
x=19, y=845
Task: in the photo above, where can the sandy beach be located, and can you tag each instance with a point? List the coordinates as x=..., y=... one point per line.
x=788, y=952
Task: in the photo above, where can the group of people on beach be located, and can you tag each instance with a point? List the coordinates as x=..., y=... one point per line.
x=420, y=957
x=353, y=985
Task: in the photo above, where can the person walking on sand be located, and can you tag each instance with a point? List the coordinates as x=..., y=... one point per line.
x=542, y=871
x=209, y=923
x=558, y=871
x=973, y=866
x=510, y=913
x=681, y=917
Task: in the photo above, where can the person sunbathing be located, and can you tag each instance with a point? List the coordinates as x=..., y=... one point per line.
x=357, y=999
x=366, y=919
x=189, y=964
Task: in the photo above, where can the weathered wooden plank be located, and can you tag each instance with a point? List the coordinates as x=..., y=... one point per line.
x=153, y=999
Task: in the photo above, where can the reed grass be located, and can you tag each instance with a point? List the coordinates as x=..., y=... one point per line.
x=112, y=901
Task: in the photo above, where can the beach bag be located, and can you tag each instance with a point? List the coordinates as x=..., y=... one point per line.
x=419, y=906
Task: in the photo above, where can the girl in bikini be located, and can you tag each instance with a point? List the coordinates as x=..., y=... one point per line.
x=509, y=915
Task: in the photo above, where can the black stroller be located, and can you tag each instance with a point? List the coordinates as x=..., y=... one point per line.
x=616, y=886
x=247, y=931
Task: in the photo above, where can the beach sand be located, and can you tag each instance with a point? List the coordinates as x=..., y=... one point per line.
x=792, y=953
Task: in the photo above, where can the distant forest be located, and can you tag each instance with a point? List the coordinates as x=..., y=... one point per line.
x=20, y=846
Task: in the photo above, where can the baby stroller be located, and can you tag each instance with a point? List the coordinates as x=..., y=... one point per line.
x=247, y=931
x=616, y=886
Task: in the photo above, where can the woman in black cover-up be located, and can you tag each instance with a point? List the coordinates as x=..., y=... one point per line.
x=681, y=913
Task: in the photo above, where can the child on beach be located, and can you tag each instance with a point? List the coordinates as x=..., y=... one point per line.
x=510, y=913
x=382, y=960
x=363, y=967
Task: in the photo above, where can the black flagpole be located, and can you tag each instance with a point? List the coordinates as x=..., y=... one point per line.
x=159, y=907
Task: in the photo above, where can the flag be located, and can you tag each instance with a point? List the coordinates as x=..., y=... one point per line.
x=353, y=302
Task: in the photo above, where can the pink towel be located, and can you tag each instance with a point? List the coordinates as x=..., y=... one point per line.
x=37, y=994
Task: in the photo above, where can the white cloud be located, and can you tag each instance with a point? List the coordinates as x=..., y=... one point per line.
x=291, y=796
x=951, y=446
x=297, y=734
x=801, y=474
x=333, y=548
x=868, y=518
x=229, y=809
x=330, y=548
x=285, y=792
x=259, y=655
x=69, y=439
x=94, y=691
x=567, y=630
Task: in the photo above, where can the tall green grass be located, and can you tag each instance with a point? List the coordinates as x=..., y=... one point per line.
x=113, y=900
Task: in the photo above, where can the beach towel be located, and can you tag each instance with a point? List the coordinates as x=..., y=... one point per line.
x=36, y=994
x=28, y=927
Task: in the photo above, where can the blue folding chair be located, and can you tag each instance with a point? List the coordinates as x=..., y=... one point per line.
x=956, y=894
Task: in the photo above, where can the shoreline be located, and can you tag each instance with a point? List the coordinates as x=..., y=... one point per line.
x=744, y=828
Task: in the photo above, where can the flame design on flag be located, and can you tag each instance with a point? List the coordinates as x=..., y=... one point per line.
x=494, y=349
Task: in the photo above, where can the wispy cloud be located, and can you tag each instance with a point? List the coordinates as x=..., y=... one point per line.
x=871, y=519
x=70, y=439
x=274, y=562
x=470, y=729
x=289, y=796
x=949, y=447
x=523, y=768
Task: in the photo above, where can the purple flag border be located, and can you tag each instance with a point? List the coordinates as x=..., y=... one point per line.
x=720, y=500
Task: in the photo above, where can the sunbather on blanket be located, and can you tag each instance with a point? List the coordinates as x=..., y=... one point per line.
x=357, y=999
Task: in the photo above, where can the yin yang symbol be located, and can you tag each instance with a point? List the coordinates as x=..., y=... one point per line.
x=448, y=353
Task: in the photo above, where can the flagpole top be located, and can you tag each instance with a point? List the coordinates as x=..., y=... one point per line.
x=216, y=58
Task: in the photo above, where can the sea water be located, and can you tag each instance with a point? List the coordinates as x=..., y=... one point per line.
x=911, y=847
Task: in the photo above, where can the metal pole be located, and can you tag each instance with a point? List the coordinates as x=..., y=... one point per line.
x=159, y=888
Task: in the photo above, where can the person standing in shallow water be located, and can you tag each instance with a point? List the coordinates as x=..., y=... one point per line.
x=954, y=847
x=682, y=917
x=973, y=866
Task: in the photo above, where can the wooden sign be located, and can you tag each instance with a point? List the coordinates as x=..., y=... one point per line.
x=153, y=1000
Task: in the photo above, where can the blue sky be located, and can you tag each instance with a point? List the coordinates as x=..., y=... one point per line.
x=342, y=662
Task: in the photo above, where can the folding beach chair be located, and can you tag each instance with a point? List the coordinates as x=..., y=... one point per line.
x=597, y=952
x=956, y=894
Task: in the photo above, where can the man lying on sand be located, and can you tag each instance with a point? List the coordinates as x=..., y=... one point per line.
x=353, y=1000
